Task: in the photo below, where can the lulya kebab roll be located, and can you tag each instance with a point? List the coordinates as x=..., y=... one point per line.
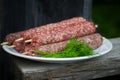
x=54, y=34
x=46, y=36
x=10, y=38
x=93, y=40
x=62, y=34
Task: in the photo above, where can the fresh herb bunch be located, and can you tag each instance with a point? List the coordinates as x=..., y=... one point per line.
x=73, y=48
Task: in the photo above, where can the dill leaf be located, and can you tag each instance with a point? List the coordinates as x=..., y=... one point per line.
x=73, y=48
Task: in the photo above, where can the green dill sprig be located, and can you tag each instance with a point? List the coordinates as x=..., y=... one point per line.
x=73, y=48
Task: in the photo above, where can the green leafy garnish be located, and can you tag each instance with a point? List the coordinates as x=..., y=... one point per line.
x=73, y=48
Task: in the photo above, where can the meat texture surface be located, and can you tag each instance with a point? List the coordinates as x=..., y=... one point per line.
x=46, y=35
x=54, y=37
x=94, y=41
x=45, y=28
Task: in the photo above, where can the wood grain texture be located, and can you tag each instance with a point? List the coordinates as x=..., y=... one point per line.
x=103, y=66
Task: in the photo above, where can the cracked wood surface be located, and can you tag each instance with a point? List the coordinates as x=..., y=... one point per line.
x=102, y=66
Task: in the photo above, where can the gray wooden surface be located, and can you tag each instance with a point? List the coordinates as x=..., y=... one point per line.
x=102, y=66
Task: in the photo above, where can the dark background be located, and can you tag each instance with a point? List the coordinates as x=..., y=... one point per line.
x=105, y=13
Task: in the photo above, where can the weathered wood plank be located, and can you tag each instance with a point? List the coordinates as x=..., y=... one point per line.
x=106, y=65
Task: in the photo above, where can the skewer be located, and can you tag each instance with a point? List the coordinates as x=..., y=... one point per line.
x=33, y=54
x=96, y=26
x=4, y=43
x=20, y=39
x=24, y=53
x=28, y=41
x=12, y=46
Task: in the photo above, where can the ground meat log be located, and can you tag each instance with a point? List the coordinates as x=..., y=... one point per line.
x=74, y=30
x=11, y=37
x=93, y=40
x=52, y=28
x=19, y=46
x=46, y=36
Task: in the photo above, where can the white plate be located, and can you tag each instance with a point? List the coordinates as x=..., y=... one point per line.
x=103, y=49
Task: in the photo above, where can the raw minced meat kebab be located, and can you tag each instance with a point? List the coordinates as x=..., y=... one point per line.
x=53, y=37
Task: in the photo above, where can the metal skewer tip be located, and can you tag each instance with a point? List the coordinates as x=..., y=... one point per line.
x=27, y=41
x=20, y=39
x=4, y=43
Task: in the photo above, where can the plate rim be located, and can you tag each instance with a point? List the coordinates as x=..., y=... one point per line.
x=58, y=60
